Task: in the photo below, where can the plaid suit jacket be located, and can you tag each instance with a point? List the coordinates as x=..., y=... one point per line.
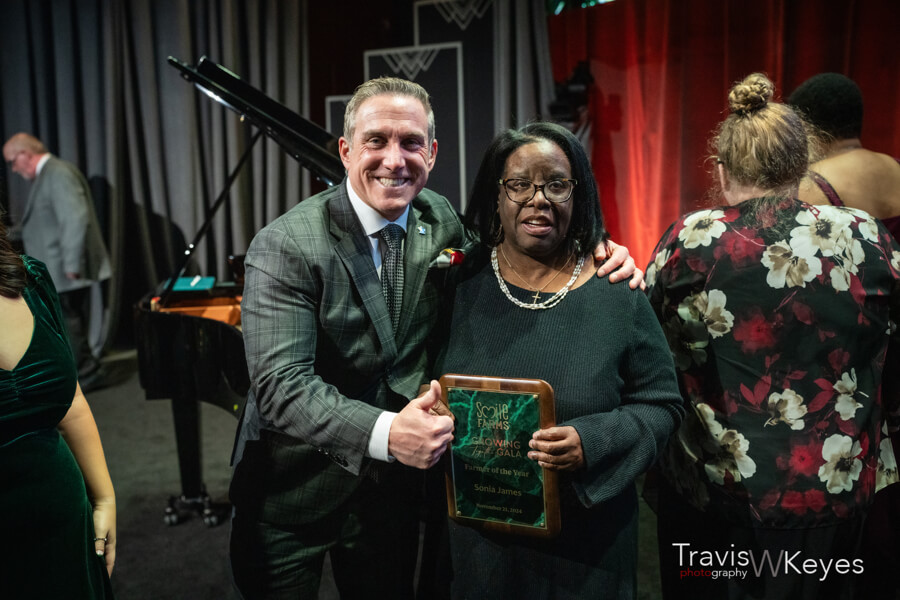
x=323, y=359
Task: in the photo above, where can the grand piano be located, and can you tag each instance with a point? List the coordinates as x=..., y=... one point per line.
x=189, y=343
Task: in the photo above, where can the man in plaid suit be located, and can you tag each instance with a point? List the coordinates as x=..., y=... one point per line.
x=331, y=451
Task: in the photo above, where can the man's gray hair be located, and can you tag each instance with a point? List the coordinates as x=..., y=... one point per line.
x=386, y=86
x=25, y=141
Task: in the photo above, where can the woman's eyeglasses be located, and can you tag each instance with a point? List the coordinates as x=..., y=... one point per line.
x=521, y=191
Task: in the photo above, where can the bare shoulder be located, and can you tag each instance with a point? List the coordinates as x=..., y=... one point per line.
x=864, y=179
x=17, y=322
x=810, y=193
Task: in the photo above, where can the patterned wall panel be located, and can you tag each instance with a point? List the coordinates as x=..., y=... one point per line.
x=438, y=68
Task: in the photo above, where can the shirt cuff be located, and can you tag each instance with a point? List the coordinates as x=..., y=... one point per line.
x=378, y=441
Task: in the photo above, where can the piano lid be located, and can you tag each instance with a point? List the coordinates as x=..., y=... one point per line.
x=312, y=146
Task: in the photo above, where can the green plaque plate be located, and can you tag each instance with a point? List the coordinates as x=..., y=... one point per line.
x=492, y=484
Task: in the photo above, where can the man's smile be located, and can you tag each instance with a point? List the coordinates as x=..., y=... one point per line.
x=392, y=182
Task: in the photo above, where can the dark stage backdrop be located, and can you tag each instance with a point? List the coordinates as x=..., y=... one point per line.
x=662, y=69
x=90, y=78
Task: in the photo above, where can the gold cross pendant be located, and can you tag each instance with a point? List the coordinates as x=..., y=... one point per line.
x=537, y=296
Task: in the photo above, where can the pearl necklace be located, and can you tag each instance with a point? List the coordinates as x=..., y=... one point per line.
x=539, y=291
x=549, y=302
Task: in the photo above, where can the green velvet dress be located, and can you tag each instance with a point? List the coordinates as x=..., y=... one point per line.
x=45, y=515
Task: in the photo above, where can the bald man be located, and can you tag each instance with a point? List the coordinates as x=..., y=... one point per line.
x=60, y=229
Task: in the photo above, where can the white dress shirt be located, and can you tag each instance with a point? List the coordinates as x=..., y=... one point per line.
x=372, y=223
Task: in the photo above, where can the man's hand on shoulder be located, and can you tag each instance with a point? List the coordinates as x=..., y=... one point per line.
x=614, y=256
x=418, y=437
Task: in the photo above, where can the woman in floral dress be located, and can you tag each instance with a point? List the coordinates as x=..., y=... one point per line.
x=778, y=316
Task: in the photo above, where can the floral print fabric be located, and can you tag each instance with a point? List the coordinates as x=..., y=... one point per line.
x=777, y=315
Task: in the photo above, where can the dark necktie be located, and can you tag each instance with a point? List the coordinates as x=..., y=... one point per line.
x=392, y=271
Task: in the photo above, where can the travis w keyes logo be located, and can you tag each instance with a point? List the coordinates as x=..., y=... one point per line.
x=733, y=563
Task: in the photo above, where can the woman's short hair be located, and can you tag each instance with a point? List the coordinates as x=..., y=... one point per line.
x=831, y=102
x=762, y=143
x=586, y=227
x=12, y=269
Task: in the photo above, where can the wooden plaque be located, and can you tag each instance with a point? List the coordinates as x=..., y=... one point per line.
x=492, y=484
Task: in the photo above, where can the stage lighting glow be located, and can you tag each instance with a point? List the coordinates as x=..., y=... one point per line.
x=555, y=7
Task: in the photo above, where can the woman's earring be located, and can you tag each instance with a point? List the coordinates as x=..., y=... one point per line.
x=498, y=232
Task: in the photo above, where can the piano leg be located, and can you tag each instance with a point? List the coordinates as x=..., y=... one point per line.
x=186, y=414
x=193, y=500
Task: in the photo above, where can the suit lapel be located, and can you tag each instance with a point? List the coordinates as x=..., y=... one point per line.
x=355, y=252
x=33, y=192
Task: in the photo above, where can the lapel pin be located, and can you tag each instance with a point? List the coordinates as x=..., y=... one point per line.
x=421, y=230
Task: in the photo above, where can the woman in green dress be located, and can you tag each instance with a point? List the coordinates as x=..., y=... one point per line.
x=57, y=505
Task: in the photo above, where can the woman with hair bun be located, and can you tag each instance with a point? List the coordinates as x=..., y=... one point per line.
x=778, y=314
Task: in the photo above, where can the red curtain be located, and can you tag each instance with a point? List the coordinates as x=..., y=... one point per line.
x=662, y=70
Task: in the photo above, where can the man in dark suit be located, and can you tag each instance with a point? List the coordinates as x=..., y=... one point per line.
x=59, y=228
x=331, y=451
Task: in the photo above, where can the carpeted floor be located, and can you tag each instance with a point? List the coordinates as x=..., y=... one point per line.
x=189, y=560
x=155, y=560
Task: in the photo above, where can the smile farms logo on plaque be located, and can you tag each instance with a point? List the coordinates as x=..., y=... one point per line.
x=492, y=483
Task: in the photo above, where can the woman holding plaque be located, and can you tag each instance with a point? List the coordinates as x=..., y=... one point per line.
x=778, y=314
x=529, y=306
